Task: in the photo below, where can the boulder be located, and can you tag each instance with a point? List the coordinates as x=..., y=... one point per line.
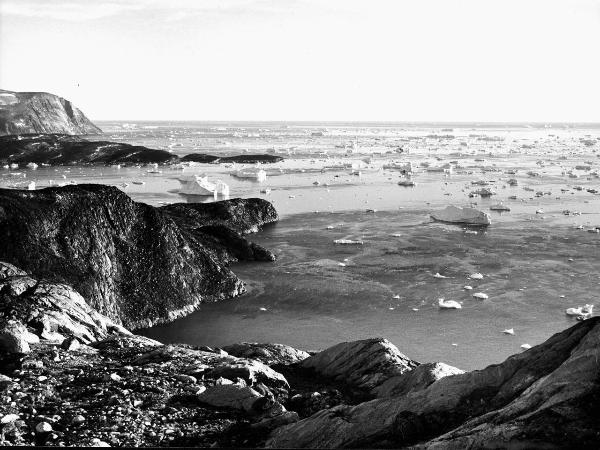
x=233, y=396
x=365, y=364
x=135, y=264
x=14, y=338
x=543, y=397
x=268, y=354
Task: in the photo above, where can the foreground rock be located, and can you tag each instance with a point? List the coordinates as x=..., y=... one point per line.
x=134, y=263
x=60, y=149
x=40, y=112
x=544, y=397
x=366, y=364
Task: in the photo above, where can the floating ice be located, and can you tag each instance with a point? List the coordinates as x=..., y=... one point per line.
x=510, y=331
x=480, y=295
x=448, y=304
x=476, y=276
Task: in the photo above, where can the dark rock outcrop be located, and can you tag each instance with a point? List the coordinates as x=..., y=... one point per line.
x=63, y=149
x=544, y=397
x=40, y=112
x=240, y=159
x=269, y=354
x=365, y=364
x=134, y=263
x=60, y=149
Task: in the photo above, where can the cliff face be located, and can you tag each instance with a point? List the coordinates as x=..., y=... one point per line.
x=40, y=112
x=134, y=263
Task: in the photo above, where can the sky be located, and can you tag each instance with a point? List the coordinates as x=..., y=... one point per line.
x=329, y=60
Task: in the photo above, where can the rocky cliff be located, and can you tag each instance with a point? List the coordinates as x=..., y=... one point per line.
x=134, y=263
x=40, y=112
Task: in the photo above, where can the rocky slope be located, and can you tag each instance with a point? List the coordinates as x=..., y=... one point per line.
x=136, y=264
x=72, y=376
x=58, y=149
x=40, y=112
x=61, y=149
x=545, y=397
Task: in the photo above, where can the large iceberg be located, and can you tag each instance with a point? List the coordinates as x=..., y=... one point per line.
x=466, y=216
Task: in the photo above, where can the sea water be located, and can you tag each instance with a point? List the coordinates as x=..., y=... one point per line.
x=534, y=260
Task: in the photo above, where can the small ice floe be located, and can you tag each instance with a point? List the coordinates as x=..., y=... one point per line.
x=581, y=312
x=499, y=207
x=448, y=304
x=329, y=227
x=396, y=297
x=467, y=216
x=124, y=185
x=480, y=295
x=396, y=235
x=31, y=186
x=139, y=182
x=510, y=331
x=262, y=309
x=476, y=276
x=407, y=183
x=14, y=166
x=342, y=264
x=525, y=346
x=540, y=211
x=265, y=191
x=32, y=166
x=372, y=211
x=415, y=309
x=468, y=288
x=391, y=308
x=438, y=275
x=347, y=242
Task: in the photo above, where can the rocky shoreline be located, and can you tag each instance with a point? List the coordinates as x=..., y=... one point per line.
x=66, y=150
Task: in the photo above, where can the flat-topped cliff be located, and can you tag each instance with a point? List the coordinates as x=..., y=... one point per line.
x=41, y=112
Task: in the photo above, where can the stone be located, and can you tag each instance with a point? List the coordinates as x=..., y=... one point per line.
x=9, y=418
x=14, y=338
x=43, y=427
x=232, y=396
x=268, y=354
x=364, y=364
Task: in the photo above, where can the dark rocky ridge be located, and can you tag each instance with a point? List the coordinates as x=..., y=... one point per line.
x=240, y=159
x=57, y=149
x=61, y=149
x=134, y=263
x=40, y=112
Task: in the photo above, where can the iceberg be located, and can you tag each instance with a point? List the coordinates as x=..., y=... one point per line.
x=197, y=185
x=256, y=174
x=466, y=216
